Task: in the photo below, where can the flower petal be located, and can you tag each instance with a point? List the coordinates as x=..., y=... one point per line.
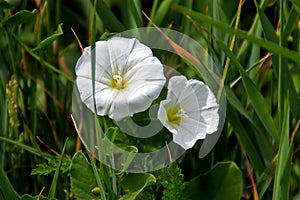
x=83, y=66
x=187, y=134
x=207, y=104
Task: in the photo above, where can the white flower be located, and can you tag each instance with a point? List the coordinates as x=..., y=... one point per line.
x=189, y=112
x=127, y=77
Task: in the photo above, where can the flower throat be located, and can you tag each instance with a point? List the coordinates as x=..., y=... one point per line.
x=118, y=82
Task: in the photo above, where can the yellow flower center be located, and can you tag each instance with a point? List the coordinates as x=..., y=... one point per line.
x=175, y=115
x=118, y=82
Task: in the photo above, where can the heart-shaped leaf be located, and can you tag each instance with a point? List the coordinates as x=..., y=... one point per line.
x=224, y=181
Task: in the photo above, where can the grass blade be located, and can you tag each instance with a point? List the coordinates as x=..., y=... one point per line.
x=107, y=16
x=136, y=13
x=283, y=167
x=55, y=178
x=261, y=141
x=244, y=139
x=27, y=148
x=161, y=12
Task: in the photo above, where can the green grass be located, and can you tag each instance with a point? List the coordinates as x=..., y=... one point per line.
x=256, y=49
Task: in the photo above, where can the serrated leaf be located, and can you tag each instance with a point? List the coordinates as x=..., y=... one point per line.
x=23, y=16
x=82, y=176
x=51, y=165
x=224, y=181
x=135, y=183
x=49, y=40
x=171, y=179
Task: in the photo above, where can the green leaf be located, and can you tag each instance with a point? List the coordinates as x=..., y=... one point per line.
x=6, y=189
x=223, y=181
x=82, y=178
x=135, y=183
x=23, y=16
x=49, y=40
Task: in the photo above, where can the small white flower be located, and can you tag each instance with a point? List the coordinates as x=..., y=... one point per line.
x=189, y=112
x=127, y=77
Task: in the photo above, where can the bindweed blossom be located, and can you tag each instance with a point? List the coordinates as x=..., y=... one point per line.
x=189, y=112
x=127, y=77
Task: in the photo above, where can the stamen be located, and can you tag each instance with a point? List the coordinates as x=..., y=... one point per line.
x=175, y=115
x=118, y=82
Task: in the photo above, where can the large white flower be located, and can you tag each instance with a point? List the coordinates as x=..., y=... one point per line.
x=127, y=77
x=189, y=112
